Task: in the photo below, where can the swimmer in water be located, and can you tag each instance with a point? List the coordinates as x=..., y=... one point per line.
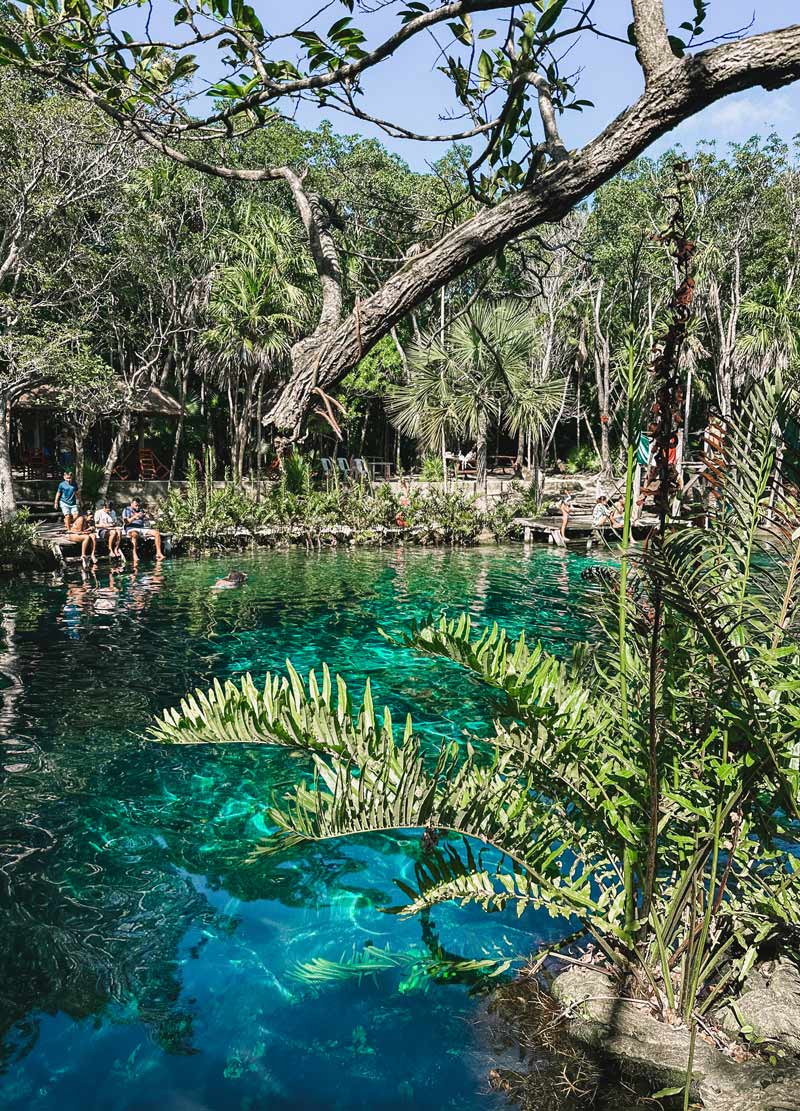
x=231, y=580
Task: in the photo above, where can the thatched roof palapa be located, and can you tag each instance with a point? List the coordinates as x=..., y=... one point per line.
x=151, y=400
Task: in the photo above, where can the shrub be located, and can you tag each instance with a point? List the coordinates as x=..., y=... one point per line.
x=296, y=477
x=91, y=482
x=499, y=518
x=445, y=516
x=582, y=459
x=431, y=469
x=19, y=549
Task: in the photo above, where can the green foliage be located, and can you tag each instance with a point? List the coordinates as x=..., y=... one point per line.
x=207, y=514
x=500, y=516
x=556, y=808
x=18, y=535
x=91, y=482
x=296, y=478
x=480, y=371
x=444, y=516
x=582, y=459
x=431, y=469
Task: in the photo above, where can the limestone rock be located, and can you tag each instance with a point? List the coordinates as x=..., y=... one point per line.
x=630, y=1033
x=770, y=1004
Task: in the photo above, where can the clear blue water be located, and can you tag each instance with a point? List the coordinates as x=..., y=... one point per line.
x=143, y=963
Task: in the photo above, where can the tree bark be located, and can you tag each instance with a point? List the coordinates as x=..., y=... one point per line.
x=652, y=44
x=8, y=504
x=120, y=436
x=78, y=440
x=684, y=88
x=480, y=452
x=179, y=429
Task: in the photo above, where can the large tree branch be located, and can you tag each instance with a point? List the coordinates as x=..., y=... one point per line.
x=652, y=44
x=685, y=88
x=323, y=247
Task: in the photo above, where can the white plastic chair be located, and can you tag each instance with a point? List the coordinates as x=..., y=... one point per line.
x=359, y=469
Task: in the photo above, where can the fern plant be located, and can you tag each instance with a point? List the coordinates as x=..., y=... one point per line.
x=555, y=810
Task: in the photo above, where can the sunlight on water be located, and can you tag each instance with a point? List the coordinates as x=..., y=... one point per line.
x=144, y=964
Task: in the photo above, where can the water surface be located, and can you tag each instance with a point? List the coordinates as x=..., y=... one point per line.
x=144, y=964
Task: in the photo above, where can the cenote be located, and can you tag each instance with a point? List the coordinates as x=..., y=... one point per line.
x=145, y=962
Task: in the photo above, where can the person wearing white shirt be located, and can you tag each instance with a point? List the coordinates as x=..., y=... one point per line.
x=108, y=527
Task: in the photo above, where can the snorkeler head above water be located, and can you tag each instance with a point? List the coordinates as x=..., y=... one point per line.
x=232, y=579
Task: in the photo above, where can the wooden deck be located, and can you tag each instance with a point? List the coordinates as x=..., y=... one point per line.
x=579, y=530
x=52, y=533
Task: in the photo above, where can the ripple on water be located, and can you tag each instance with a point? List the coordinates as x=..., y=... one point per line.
x=144, y=964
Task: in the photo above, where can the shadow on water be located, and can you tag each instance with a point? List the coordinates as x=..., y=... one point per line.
x=144, y=963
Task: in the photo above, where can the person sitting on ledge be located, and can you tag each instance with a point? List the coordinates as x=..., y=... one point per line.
x=108, y=529
x=81, y=531
x=602, y=513
x=137, y=527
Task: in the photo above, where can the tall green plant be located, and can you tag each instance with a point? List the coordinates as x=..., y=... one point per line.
x=563, y=792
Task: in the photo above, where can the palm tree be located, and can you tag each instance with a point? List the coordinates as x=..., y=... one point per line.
x=771, y=340
x=477, y=373
x=261, y=299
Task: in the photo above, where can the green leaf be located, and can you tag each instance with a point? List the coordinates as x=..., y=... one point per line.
x=339, y=26
x=678, y=46
x=485, y=69
x=10, y=51
x=549, y=18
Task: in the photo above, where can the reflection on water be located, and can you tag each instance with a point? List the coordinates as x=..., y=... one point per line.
x=143, y=964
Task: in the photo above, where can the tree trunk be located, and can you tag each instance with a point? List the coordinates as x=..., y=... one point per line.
x=78, y=440
x=8, y=505
x=362, y=431
x=605, y=448
x=670, y=98
x=179, y=429
x=687, y=412
x=120, y=436
x=480, y=461
x=259, y=430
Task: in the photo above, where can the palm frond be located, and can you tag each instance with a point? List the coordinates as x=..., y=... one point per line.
x=369, y=961
x=317, y=721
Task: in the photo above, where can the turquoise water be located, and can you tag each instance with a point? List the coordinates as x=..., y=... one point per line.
x=143, y=963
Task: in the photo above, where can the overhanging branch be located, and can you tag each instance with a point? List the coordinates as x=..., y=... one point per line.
x=685, y=88
x=652, y=43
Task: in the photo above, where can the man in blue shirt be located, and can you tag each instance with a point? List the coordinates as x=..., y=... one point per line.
x=66, y=499
x=136, y=525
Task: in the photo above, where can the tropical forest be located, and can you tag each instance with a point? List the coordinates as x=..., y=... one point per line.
x=399, y=555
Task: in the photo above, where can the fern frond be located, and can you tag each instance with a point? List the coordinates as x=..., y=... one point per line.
x=369, y=961
x=314, y=720
x=540, y=686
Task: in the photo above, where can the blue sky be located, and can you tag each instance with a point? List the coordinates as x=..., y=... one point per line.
x=408, y=89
